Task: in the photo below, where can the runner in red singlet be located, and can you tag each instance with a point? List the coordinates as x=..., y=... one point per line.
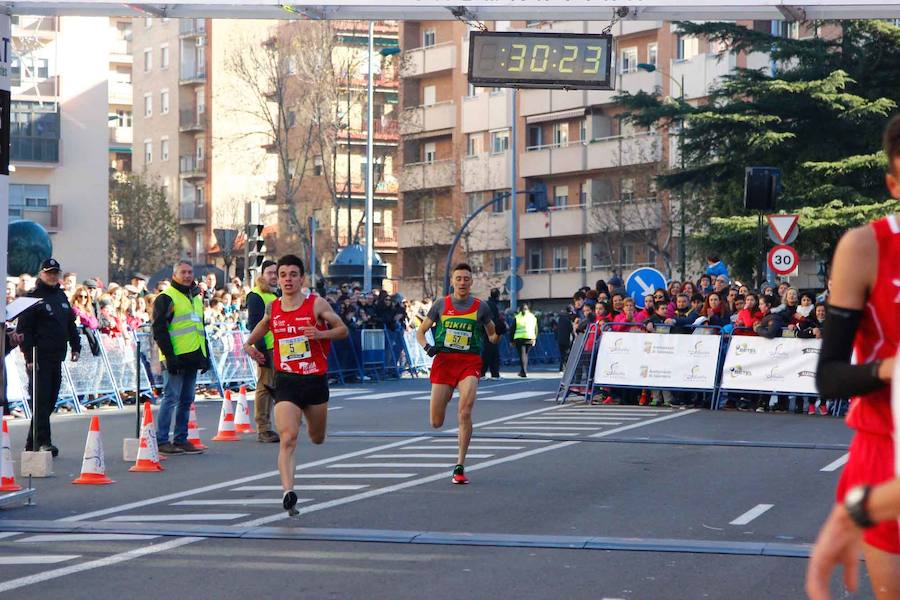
x=303, y=327
x=864, y=315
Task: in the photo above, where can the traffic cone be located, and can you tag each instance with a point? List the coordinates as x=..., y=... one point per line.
x=148, y=453
x=226, y=421
x=643, y=401
x=7, y=473
x=193, y=431
x=93, y=467
x=242, y=413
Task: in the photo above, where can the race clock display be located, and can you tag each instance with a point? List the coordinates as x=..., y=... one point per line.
x=540, y=60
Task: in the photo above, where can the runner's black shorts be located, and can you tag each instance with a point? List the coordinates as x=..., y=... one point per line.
x=302, y=390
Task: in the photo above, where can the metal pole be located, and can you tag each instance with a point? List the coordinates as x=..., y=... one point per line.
x=370, y=184
x=137, y=387
x=462, y=229
x=683, y=245
x=513, y=207
x=5, y=57
x=313, y=224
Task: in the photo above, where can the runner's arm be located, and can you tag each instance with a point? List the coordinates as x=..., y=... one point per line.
x=424, y=326
x=491, y=329
x=337, y=329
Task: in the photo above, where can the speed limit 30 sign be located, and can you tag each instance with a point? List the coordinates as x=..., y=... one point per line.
x=783, y=259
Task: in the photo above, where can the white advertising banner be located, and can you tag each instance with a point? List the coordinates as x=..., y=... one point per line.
x=656, y=360
x=777, y=365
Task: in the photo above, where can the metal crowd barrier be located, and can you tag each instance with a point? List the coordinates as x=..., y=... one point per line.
x=578, y=374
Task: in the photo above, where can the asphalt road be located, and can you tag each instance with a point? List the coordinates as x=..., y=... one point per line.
x=565, y=501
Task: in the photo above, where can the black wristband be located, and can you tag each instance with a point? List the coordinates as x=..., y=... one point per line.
x=835, y=376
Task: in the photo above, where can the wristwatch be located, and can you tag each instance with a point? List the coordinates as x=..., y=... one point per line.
x=855, y=503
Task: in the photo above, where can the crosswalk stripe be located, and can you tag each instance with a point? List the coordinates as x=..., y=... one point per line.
x=237, y=501
x=7, y=534
x=386, y=395
x=378, y=456
x=479, y=439
x=342, y=393
x=545, y=428
x=573, y=422
x=191, y=517
x=299, y=488
x=472, y=447
x=353, y=475
x=388, y=465
x=87, y=537
x=455, y=397
x=585, y=419
x=521, y=395
x=610, y=410
x=835, y=465
x=549, y=433
x=37, y=559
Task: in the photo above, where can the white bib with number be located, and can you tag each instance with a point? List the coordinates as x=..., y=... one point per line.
x=458, y=340
x=295, y=348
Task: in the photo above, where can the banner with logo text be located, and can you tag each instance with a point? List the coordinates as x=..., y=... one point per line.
x=657, y=360
x=771, y=365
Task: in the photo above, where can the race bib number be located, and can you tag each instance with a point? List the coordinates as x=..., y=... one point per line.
x=458, y=340
x=295, y=348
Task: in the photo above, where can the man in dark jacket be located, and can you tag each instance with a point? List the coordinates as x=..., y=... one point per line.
x=47, y=332
x=772, y=323
x=179, y=331
x=263, y=293
x=564, y=335
x=490, y=354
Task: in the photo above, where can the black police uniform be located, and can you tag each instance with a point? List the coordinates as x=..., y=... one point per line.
x=490, y=353
x=49, y=328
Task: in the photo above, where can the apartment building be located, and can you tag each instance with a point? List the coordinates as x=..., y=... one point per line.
x=194, y=143
x=121, y=116
x=58, y=135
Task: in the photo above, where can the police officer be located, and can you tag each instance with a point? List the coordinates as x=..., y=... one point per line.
x=258, y=299
x=179, y=331
x=525, y=336
x=47, y=331
x=490, y=354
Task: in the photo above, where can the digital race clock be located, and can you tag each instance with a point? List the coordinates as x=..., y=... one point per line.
x=540, y=60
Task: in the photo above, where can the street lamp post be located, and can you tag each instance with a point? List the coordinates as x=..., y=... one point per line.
x=682, y=254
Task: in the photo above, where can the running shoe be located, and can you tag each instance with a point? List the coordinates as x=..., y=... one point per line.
x=290, y=502
x=459, y=475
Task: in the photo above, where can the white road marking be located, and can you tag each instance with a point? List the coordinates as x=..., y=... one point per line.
x=335, y=407
x=667, y=417
x=584, y=419
x=521, y=395
x=298, y=488
x=236, y=501
x=13, y=584
x=549, y=433
x=353, y=475
x=835, y=465
x=179, y=517
x=472, y=447
x=751, y=514
x=549, y=422
x=480, y=439
x=342, y=393
x=389, y=465
x=377, y=456
x=545, y=427
x=8, y=534
x=455, y=397
x=87, y=537
x=36, y=559
x=385, y=395
x=606, y=412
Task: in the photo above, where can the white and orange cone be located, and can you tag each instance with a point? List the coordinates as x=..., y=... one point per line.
x=242, y=413
x=194, y=431
x=226, y=421
x=93, y=467
x=7, y=473
x=148, y=453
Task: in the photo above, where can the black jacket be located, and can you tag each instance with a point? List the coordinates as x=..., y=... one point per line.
x=49, y=327
x=163, y=312
x=256, y=310
x=499, y=324
x=564, y=330
x=771, y=325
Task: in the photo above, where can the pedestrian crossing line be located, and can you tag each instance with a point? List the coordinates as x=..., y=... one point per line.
x=385, y=395
x=179, y=517
x=835, y=465
x=585, y=418
x=88, y=537
x=344, y=393
x=37, y=559
x=237, y=501
x=472, y=447
x=8, y=534
x=479, y=439
x=335, y=407
x=521, y=395
x=382, y=456
x=353, y=475
x=549, y=433
x=579, y=422
x=389, y=465
x=618, y=411
x=299, y=488
x=751, y=514
x=455, y=397
x=546, y=428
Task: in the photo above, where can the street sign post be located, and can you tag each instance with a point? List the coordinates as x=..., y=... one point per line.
x=783, y=259
x=643, y=282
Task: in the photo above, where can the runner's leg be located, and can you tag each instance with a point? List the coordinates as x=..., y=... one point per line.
x=440, y=398
x=316, y=421
x=287, y=420
x=468, y=388
x=884, y=572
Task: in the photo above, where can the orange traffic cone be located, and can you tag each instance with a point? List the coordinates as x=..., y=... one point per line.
x=643, y=401
x=226, y=421
x=242, y=413
x=148, y=453
x=93, y=467
x=193, y=431
x=7, y=473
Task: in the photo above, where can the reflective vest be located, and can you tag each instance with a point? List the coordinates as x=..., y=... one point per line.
x=526, y=327
x=267, y=298
x=186, y=327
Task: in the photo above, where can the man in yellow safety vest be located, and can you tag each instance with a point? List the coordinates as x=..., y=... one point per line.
x=524, y=336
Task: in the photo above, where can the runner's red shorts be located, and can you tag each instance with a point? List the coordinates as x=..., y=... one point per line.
x=449, y=368
x=871, y=462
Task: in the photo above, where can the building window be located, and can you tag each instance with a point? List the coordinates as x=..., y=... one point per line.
x=652, y=189
x=428, y=38
x=629, y=60
x=164, y=102
x=428, y=207
x=627, y=254
x=148, y=22
x=560, y=258
x=430, y=152
x=473, y=202
x=535, y=136
x=121, y=118
x=535, y=260
x=473, y=144
x=201, y=142
x=560, y=195
x=501, y=264
x=561, y=134
x=499, y=141
x=164, y=149
x=584, y=190
x=601, y=255
x=27, y=197
x=652, y=54
x=318, y=166
x=148, y=59
x=582, y=130
x=164, y=57
x=429, y=95
x=148, y=105
x=148, y=151
x=503, y=205
x=34, y=132
x=627, y=189
x=582, y=256
x=686, y=47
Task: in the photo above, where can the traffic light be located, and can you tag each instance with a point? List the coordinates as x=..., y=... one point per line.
x=256, y=245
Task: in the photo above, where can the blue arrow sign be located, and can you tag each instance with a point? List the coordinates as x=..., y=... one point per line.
x=643, y=282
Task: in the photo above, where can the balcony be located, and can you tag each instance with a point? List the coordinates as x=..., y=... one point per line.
x=632, y=215
x=486, y=112
x=486, y=172
x=553, y=159
x=49, y=217
x=193, y=75
x=538, y=102
x=557, y=222
x=120, y=51
x=121, y=135
x=551, y=283
x=191, y=168
x=425, y=233
x=701, y=73
x=385, y=236
x=622, y=151
x=188, y=28
x=428, y=60
x=121, y=93
x=34, y=150
x=192, y=213
x=427, y=175
x=190, y=121
x=431, y=117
